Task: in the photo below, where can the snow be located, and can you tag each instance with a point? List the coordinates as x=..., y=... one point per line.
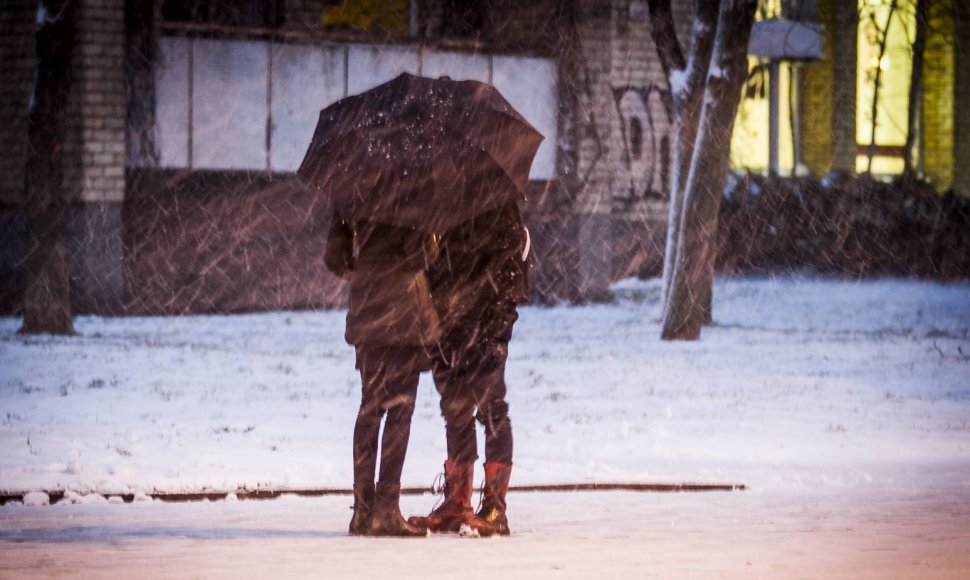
x=843, y=406
x=678, y=81
x=854, y=534
x=801, y=382
x=34, y=498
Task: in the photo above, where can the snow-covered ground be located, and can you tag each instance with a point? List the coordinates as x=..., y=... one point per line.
x=852, y=535
x=844, y=406
x=802, y=382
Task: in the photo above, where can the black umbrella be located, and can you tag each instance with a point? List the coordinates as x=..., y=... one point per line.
x=422, y=153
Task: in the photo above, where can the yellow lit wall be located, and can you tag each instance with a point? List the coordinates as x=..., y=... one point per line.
x=369, y=15
x=749, y=143
x=938, y=100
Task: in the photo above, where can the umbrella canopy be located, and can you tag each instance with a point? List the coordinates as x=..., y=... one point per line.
x=422, y=153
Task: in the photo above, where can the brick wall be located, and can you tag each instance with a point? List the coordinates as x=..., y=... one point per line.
x=95, y=151
x=938, y=72
x=635, y=67
x=17, y=22
x=618, y=195
x=591, y=83
x=817, y=91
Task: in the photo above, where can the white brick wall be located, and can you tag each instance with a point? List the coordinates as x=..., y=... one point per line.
x=625, y=82
x=95, y=151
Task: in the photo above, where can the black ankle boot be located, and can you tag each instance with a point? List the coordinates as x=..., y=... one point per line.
x=387, y=519
x=363, y=509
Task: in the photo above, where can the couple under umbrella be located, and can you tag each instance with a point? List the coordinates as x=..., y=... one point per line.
x=424, y=177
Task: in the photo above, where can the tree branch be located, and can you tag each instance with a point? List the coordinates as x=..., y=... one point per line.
x=665, y=37
x=702, y=43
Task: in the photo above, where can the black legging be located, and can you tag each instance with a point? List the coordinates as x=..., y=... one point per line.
x=390, y=384
x=464, y=391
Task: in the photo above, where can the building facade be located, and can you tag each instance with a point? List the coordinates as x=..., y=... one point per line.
x=189, y=117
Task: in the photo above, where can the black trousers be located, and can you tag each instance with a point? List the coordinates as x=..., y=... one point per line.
x=390, y=383
x=469, y=373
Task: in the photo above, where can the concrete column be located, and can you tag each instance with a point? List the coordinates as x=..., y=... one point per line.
x=95, y=155
x=594, y=237
x=961, y=99
x=845, y=30
x=17, y=64
x=95, y=245
x=774, y=117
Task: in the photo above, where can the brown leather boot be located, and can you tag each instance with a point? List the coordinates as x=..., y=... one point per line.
x=363, y=509
x=491, y=519
x=387, y=519
x=456, y=509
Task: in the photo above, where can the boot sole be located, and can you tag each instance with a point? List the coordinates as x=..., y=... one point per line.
x=451, y=526
x=374, y=534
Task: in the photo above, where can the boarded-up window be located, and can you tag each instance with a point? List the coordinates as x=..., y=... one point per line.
x=253, y=105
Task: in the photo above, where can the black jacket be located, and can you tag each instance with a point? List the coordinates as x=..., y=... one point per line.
x=390, y=300
x=481, y=264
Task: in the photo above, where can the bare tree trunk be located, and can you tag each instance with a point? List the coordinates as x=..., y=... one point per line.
x=47, y=307
x=916, y=87
x=686, y=79
x=884, y=38
x=693, y=268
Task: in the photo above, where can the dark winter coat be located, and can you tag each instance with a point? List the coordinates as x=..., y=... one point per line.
x=479, y=278
x=390, y=299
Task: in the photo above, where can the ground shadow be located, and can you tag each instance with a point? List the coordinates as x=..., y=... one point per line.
x=121, y=534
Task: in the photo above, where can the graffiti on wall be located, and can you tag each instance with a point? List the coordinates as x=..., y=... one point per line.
x=644, y=163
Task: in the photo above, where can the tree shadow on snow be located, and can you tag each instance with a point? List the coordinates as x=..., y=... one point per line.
x=118, y=535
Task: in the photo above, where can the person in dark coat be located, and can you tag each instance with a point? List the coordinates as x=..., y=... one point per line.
x=392, y=322
x=478, y=280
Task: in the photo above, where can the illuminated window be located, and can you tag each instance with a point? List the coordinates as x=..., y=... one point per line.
x=887, y=30
x=768, y=9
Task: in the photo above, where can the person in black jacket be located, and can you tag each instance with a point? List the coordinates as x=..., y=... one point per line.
x=478, y=280
x=392, y=323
